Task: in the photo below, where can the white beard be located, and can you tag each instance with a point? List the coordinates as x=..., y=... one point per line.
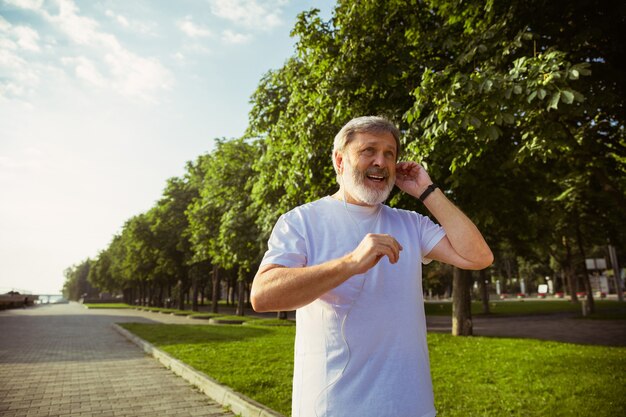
x=354, y=183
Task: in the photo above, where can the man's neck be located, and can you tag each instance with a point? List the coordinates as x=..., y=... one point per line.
x=339, y=195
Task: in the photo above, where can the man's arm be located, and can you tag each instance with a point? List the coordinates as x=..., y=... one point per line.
x=463, y=246
x=277, y=288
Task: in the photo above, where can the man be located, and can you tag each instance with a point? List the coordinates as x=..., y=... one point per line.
x=351, y=267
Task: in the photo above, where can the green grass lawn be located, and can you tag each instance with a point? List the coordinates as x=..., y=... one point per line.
x=474, y=376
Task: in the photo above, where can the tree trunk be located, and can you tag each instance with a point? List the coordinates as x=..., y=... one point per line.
x=484, y=290
x=461, y=303
x=181, y=294
x=616, y=272
x=509, y=276
x=241, y=293
x=568, y=268
x=128, y=296
x=586, y=282
x=215, y=297
x=153, y=294
x=232, y=288
x=159, y=301
x=281, y=315
x=194, y=284
x=142, y=293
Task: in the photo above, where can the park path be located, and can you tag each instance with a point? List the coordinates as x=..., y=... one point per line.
x=64, y=360
x=568, y=328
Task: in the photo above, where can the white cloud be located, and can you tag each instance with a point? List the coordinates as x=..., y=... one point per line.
x=82, y=30
x=137, y=76
x=252, y=14
x=4, y=25
x=130, y=24
x=118, y=18
x=121, y=70
x=26, y=4
x=192, y=30
x=85, y=69
x=228, y=36
x=179, y=57
x=27, y=38
x=18, y=77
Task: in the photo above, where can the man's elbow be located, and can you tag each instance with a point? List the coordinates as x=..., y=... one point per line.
x=258, y=302
x=485, y=261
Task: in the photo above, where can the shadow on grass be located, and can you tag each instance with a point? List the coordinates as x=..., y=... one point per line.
x=173, y=334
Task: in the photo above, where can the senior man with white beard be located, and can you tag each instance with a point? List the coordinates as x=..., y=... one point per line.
x=351, y=268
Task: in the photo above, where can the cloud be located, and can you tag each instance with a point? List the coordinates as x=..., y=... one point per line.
x=228, y=36
x=192, y=30
x=28, y=38
x=121, y=70
x=118, y=18
x=130, y=24
x=26, y=4
x=85, y=69
x=251, y=14
x=137, y=76
x=18, y=76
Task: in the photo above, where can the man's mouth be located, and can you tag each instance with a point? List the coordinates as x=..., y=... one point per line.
x=376, y=178
x=377, y=175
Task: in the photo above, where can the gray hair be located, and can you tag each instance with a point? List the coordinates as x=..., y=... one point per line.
x=364, y=124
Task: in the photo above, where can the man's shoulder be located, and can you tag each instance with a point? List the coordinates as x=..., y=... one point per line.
x=306, y=210
x=312, y=206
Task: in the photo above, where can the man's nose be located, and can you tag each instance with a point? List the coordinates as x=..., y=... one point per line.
x=379, y=159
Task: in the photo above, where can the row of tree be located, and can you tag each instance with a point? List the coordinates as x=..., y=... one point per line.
x=516, y=109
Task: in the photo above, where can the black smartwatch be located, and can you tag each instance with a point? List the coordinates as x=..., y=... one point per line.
x=427, y=192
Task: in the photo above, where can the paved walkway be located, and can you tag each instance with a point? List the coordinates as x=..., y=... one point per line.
x=64, y=360
x=567, y=328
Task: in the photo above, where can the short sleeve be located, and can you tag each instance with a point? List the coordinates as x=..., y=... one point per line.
x=286, y=245
x=430, y=234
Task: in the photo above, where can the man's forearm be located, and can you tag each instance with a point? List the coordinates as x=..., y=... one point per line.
x=276, y=288
x=284, y=289
x=462, y=233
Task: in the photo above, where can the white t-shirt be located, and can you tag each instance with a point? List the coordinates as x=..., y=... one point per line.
x=360, y=349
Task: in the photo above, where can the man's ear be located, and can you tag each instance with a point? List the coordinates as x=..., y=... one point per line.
x=338, y=158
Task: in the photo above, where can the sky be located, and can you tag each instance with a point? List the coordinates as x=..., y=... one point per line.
x=102, y=101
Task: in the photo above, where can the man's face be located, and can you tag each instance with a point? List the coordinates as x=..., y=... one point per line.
x=369, y=167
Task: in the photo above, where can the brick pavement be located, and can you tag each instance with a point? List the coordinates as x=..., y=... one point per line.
x=66, y=361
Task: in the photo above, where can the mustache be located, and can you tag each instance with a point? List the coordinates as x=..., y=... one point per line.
x=379, y=172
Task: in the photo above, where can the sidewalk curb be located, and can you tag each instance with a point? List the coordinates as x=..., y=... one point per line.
x=238, y=403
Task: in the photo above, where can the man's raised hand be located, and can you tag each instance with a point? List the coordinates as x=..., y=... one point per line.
x=371, y=250
x=412, y=178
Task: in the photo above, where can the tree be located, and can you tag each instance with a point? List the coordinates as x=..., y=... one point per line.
x=511, y=76
x=222, y=223
x=171, y=233
x=76, y=285
x=489, y=95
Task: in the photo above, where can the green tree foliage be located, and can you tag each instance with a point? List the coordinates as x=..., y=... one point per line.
x=222, y=220
x=545, y=80
x=76, y=285
x=516, y=108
